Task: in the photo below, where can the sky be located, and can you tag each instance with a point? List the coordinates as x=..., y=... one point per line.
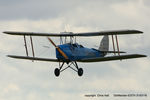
x=27, y=80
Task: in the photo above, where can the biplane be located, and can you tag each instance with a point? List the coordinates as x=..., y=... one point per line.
x=71, y=52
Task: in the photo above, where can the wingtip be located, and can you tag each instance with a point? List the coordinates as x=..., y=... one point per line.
x=141, y=32
x=138, y=31
x=144, y=55
x=141, y=55
x=12, y=56
x=5, y=32
x=8, y=55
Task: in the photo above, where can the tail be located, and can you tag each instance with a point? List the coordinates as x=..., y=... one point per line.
x=104, y=44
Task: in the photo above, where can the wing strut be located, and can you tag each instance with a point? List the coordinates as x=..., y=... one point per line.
x=113, y=45
x=116, y=44
x=26, y=47
x=32, y=46
x=25, y=42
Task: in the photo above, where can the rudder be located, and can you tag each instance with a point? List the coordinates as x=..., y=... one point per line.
x=104, y=44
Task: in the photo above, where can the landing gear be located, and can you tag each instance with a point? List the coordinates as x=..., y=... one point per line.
x=80, y=71
x=57, y=71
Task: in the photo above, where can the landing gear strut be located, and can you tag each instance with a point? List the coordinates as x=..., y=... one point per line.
x=57, y=71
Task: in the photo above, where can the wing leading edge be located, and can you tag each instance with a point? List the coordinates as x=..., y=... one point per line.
x=113, y=32
x=110, y=58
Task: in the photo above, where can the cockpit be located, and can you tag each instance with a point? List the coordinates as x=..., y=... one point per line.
x=81, y=46
x=77, y=45
x=74, y=45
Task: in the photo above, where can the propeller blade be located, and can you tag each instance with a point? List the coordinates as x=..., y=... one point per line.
x=62, y=53
x=52, y=42
x=59, y=50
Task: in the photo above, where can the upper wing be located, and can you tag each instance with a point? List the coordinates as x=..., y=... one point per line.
x=109, y=58
x=33, y=58
x=113, y=32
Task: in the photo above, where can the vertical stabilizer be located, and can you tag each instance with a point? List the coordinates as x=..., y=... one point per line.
x=104, y=44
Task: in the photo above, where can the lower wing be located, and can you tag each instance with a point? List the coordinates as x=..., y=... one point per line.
x=96, y=59
x=110, y=58
x=33, y=58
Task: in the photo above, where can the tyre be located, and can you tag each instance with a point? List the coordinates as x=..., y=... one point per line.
x=80, y=71
x=57, y=72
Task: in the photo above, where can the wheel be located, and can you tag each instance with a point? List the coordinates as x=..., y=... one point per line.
x=80, y=71
x=57, y=72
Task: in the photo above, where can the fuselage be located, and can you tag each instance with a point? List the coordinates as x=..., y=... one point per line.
x=76, y=52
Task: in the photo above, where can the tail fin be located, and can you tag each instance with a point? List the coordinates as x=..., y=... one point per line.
x=104, y=44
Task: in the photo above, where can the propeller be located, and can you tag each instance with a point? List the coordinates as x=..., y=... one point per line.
x=59, y=50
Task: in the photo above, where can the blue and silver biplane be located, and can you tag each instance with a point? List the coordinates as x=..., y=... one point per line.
x=72, y=52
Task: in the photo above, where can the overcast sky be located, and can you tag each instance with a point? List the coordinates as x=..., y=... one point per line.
x=25, y=80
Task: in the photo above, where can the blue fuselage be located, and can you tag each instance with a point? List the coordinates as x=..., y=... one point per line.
x=77, y=52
